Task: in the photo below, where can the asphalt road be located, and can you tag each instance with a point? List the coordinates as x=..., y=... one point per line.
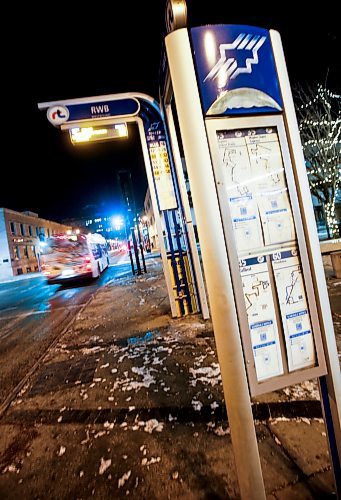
x=33, y=314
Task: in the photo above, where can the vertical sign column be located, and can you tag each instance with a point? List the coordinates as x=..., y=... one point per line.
x=156, y=141
x=167, y=202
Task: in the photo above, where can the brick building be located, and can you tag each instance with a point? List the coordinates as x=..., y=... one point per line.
x=21, y=234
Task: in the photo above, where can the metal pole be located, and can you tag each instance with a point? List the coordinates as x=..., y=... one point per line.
x=157, y=217
x=126, y=219
x=131, y=257
x=187, y=213
x=136, y=252
x=216, y=265
x=140, y=244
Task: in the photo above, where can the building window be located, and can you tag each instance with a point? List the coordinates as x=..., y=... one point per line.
x=30, y=230
x=22, y=229
x=28, y=270
x=26, y=252
x=12, y=225
x=19, y=271
x=37, y=231
x=16, y=253
x=48, y=232
x=33, y=250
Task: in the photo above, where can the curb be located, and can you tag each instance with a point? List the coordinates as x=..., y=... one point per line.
x=182, y=415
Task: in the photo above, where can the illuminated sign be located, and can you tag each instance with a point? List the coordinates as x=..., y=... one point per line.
x=236, y=70
x=160, y=162
x=58, y=114
x=162, y=175
x=80, y=135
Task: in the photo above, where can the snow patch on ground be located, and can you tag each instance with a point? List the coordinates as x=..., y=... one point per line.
x=91, y=350
x=197, y=405
x=104, y=465
x=153, y=425
x=305, y=390
x=123, y=479
x=220, y=431
x=209, y=375
x=153, y=460
x=61, y=451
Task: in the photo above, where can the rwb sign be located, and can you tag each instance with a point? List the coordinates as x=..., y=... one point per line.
x=91, y=111
x=235, y=70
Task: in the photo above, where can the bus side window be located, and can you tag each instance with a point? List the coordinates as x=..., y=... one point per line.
x=99, y=250
x=94, y=251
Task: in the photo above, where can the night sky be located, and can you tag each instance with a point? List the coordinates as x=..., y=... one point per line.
x=76, y=51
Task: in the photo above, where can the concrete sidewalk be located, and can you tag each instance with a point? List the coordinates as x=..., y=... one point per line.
x=130, y=403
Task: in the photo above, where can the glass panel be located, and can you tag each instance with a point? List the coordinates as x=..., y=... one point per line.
x=264, y=231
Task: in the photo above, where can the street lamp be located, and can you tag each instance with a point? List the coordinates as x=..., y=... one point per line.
x=117, y=222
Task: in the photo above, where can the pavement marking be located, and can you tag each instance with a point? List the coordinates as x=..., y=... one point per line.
x=12, y=395
x=32, y=313
x=24, y=290
x=9, y=328
x=9, y=309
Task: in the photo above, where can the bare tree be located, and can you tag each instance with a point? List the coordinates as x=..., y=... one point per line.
x=319, y=116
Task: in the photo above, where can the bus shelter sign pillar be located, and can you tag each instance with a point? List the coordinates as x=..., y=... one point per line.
x=169, y=204
x=100, y=118
x=263, y=270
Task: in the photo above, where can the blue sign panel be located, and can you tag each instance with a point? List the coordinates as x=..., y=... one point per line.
x=94, y=110
x=236, y=70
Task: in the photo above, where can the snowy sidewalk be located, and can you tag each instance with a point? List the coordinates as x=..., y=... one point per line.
x=130, y=403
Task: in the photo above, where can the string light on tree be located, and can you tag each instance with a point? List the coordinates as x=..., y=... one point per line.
x=319, y=116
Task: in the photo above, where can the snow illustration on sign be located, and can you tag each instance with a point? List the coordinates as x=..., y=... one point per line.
x=244, y=97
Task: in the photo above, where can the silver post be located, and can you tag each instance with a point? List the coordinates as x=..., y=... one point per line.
x=216, y=266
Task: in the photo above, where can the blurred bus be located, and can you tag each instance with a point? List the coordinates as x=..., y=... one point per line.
x=67, y=257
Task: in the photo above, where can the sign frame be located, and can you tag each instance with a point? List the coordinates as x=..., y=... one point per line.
x=257, y=387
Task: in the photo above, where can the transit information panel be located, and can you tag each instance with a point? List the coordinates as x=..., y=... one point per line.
x=263, y=227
